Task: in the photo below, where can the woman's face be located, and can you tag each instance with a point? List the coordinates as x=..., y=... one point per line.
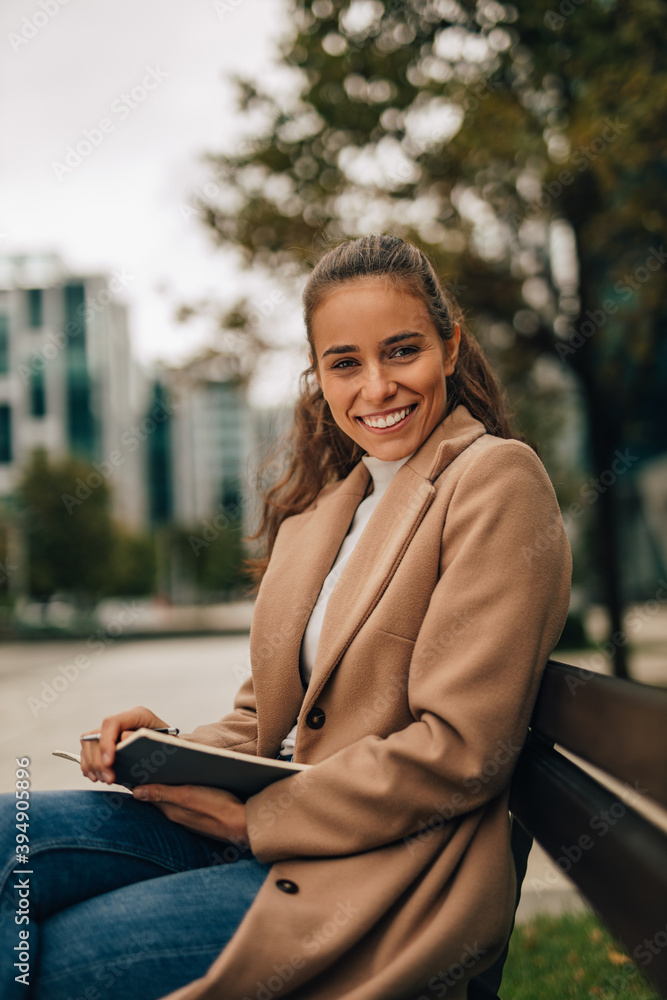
x=381, y=366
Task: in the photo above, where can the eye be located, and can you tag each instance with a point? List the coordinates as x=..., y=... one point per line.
x=408, y=350
x=345, y=363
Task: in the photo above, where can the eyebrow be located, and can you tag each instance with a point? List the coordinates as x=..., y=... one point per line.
x=387, y=342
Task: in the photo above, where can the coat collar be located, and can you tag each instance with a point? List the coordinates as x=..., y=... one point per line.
x=305, y=550
x=445, y=443
x=385, y=539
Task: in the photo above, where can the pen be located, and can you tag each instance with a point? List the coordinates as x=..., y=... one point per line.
x=170, y=730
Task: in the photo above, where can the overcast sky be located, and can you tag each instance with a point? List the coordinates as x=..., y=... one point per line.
x=122, y=205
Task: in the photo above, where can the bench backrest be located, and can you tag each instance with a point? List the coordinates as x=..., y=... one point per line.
x=606, y=831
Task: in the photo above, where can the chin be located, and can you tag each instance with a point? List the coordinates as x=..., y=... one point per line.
x=390, y=452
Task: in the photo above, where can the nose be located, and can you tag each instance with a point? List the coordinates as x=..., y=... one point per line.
x=377, y=385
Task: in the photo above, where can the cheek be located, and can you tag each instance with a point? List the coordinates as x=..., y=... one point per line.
x=336, y=395
x=437, y=390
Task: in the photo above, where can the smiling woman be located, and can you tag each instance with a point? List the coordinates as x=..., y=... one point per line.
x=385, y=337
x=386, y=392
x=398, y=641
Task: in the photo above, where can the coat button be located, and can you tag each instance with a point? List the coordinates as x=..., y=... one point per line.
x=285, y=885
x=315, y=718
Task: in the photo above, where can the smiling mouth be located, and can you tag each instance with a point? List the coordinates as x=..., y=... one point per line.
x=390, y=419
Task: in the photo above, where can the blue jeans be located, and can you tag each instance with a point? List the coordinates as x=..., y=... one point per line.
x=122, y=902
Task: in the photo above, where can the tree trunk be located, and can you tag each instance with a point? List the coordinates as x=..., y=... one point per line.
x=604, y=439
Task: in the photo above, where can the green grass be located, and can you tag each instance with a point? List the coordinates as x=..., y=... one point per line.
x=573, y=956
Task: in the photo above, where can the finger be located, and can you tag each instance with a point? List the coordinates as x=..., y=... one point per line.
x=114, y=725
x=109, y=733
x=198, y=808
x=97, y=755
x=177, y=794
x=191, y=820
x=172, y=810
x=213, y=802
x=198, y=798
x=91, y=762
x=194, y=821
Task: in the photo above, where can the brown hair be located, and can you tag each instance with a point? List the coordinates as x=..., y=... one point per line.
x=318, y=452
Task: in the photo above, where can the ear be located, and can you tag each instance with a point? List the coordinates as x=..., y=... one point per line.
x=452, y=350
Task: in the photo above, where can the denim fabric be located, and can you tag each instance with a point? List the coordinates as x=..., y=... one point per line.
x=123, y=903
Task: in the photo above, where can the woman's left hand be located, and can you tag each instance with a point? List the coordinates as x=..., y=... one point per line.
x=210, y=811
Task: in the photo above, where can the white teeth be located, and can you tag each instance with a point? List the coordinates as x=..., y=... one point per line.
x=388, y=421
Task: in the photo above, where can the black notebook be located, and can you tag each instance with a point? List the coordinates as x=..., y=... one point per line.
x=146, y=757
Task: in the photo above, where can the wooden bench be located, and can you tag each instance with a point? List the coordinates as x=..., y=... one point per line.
x=606, y=830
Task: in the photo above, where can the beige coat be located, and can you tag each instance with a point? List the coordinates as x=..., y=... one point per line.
x=395, y=846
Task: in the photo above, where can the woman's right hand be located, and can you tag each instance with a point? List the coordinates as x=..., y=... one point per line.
x=97, y=755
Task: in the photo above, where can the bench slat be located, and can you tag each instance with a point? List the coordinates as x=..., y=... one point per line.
x=620, y=726
x=616, y=857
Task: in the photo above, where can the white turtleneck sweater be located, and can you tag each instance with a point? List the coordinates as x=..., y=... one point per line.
x=382, y=474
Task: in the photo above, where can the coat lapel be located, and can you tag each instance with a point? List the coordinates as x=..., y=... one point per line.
x=304, y=552
x=369, y=570
x=384, y=540
x=303, y=555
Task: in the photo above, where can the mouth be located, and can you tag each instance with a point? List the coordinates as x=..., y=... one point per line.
x=388, y=420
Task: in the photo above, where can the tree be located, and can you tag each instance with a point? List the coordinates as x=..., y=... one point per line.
x=524, y=146
x=68, y=528
x=133, y=565
x=210, y=561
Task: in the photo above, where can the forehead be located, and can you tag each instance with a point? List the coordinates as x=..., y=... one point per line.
x=369, y=307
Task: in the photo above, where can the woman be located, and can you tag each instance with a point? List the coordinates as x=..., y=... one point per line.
x=417, y=577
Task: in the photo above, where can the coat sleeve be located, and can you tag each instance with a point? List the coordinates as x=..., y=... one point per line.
x=494, y=616
x=235, y=731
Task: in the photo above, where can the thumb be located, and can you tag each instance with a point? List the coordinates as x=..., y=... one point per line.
x=148, y=793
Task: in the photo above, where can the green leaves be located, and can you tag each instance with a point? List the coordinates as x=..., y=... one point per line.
x=474, y=129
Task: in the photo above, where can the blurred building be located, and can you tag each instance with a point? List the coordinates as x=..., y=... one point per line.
x=202, y=470
x=68, y=382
